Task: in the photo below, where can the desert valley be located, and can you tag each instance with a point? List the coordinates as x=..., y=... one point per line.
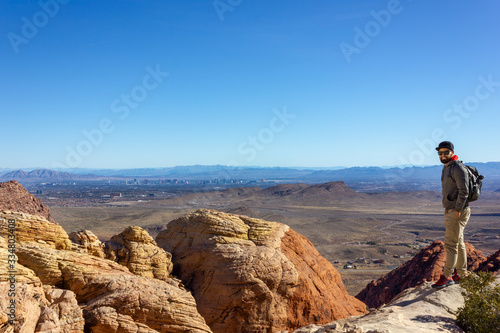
x=372, y=232
x=360, y=237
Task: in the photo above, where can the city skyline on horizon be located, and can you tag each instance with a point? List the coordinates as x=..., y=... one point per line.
x=314, y=168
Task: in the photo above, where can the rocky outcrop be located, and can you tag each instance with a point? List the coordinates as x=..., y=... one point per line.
x=320, y=293
x=251, y=275
x=14, y=197
x=133, y=248
x=137, y=250
x=425, y=266
x=58, y=289
x=62, y=314
x=114, y=299
x=22, y=274
x=491, y=264
x=87, y=242
x=419, y=310
x=33, y=228
x=35, y=308
x=37, y=311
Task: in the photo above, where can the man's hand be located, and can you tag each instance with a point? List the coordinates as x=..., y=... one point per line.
x=457, y=214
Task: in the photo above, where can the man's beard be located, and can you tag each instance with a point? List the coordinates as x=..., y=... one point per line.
x=445, y=159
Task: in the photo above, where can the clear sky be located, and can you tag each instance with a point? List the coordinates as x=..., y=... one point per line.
x=125, y=84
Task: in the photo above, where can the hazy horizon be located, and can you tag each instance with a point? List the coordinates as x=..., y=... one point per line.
x=28, y=169
x=127, y=84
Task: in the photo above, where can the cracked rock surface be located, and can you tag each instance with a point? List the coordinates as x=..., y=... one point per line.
x=252, y=275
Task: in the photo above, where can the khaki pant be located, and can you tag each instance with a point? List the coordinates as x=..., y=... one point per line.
x=456, y=256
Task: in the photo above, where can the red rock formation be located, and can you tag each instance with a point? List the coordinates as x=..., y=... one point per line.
x=321, y=295
x=251, y=275
x=425, y=266
x=491, y=264
x=14, y=197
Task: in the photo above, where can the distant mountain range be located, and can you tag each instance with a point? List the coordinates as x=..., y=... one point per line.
x=490, y=170
x=40, y=174
x=364, y=178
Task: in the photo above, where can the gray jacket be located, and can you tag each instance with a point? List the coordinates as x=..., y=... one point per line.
x=455, y=182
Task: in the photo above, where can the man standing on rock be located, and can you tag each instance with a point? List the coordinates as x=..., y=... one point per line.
x=455, y=183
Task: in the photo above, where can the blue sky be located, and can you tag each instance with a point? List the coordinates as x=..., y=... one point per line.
x=126, y=84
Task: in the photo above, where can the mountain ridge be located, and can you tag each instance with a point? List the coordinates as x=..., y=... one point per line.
x=489, y=169
x=42, y=174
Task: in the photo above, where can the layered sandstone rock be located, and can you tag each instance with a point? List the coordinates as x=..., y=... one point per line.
x=36, y=308
x=14, y=197
x=21, y=286
x=425, y=266
x=8, y=267
x=62, y=314
x=137, y=250
x=87, y=242
x=113, y=299
x=251, y=275
x=33, y=228
x=56, y=288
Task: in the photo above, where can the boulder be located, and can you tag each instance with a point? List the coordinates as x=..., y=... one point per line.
x=62, y=314
x=87, y=242
x=491, y=264
x=320, y=293
x=33, y=228
x=425, y=266
x=137, y=250
x=251, y=275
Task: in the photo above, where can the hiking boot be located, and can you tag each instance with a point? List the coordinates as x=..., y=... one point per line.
x=456, y=278
x=443, y=282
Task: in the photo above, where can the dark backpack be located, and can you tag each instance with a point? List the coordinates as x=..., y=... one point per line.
x=475, y=183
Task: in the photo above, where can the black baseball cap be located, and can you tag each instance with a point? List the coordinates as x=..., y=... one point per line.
x=446, y=144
